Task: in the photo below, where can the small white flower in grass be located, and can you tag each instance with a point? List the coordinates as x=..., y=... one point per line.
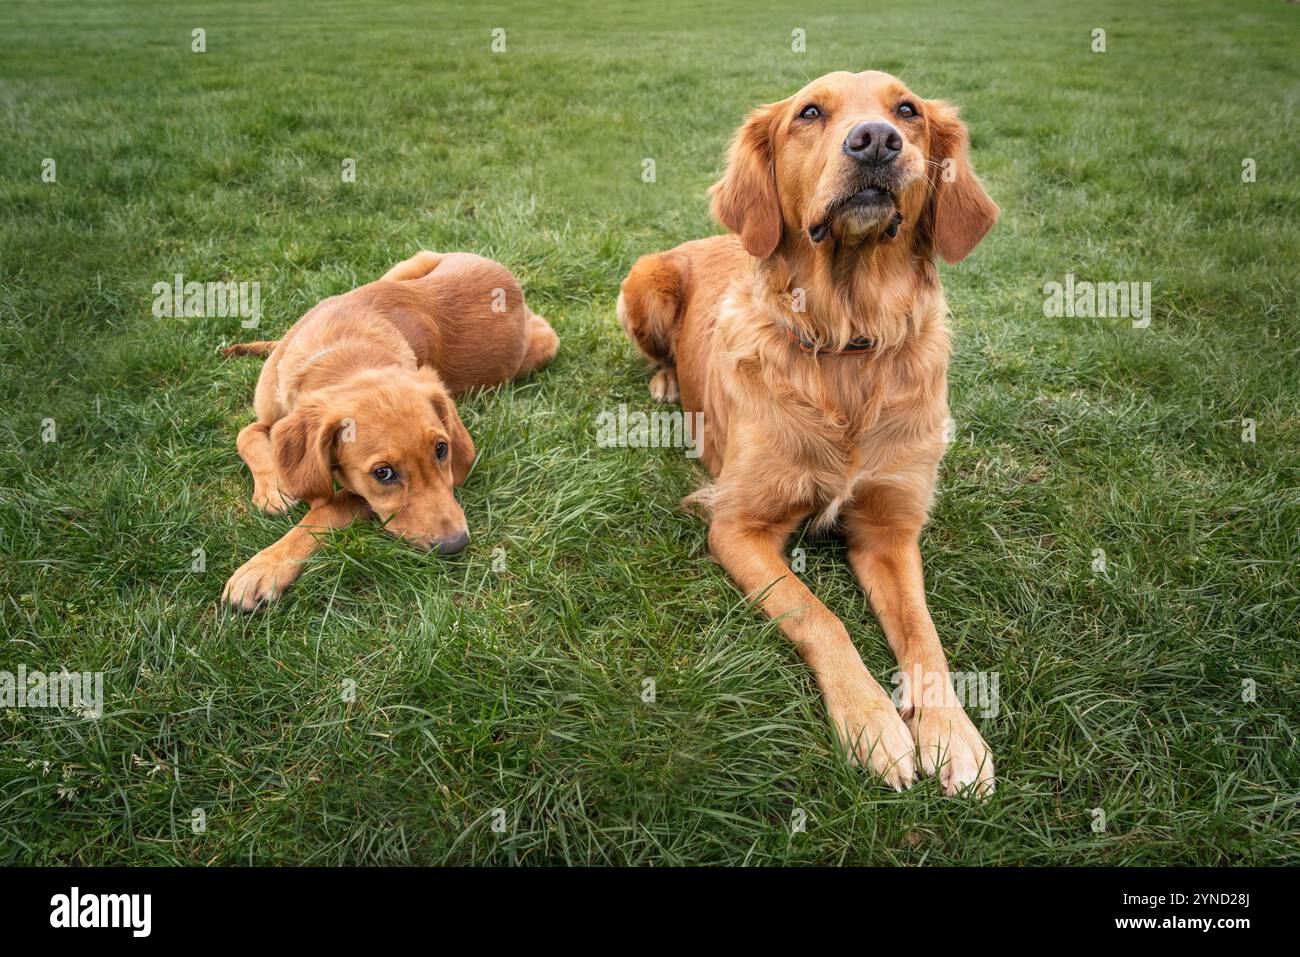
x=153, y=766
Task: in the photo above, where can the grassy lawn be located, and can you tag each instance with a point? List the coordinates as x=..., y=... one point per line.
x=511, y=677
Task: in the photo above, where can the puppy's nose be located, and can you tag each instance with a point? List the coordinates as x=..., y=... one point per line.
x=876, y=142
x=450, y=546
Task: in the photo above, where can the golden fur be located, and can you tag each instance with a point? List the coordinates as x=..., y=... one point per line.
x=364, y=382
x=751, y=329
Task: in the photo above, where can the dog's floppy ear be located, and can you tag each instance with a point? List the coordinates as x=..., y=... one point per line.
x=962, y=212
x=745, y=199
x=303, y=445
x=462, y=446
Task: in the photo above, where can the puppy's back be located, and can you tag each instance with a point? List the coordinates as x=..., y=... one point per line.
x=466, y=317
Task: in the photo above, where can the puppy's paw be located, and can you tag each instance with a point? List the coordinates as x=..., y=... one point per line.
x=259, y=581
x=663, y=387
x=872, y=733
x=951, y=746
x=273, y=501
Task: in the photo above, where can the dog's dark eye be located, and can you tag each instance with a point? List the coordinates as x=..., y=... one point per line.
x=906, y=110
x=440, y=450
x=384, y=474
x=810, y=113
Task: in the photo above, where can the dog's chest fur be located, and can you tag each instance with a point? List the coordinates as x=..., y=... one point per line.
x=832, y=423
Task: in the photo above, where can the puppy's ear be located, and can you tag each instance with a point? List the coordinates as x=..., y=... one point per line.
x=961, y=211
x=303, y=445
x=462, y=446
x=745, y=200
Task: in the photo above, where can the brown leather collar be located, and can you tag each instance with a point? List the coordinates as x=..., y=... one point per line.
x=852, y=347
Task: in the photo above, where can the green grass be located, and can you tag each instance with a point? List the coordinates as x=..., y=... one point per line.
x=521, y=690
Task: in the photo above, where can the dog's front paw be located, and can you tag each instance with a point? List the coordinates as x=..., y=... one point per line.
x=872, y=733
x=273, y=501
x=259, y=581
x=950, y=744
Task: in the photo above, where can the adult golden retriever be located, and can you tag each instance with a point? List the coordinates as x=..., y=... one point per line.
x=359, y=391
x=813, y=339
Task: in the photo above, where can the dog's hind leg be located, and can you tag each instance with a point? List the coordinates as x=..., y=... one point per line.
x=254, y=444
x=419, y=265
x=648, y=307
x=543, y=343
x=663, y=386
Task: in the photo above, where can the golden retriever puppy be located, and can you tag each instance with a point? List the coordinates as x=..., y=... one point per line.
x=359, y=392
x=813, y=340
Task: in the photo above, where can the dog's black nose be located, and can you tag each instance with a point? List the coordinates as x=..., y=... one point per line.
x=450, y=546
x=876, y=142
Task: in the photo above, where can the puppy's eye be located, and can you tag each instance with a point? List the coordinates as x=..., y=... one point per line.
x=384, y=474
x=440, y=450
x=810, y=113
x=907, y=111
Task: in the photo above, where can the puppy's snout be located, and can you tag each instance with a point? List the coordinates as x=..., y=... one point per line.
x=876, y=142
x=450, y=546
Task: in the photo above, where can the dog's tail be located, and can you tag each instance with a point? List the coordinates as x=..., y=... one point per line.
x=262, y=348
x=650, y=306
